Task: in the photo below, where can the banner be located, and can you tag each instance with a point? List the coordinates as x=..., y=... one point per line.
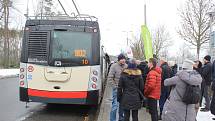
x=147, y=41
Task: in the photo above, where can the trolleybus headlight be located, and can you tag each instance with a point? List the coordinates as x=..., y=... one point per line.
x=22, y=76
x=94, y=79
x=21, y=83
x=22, y=69
x=95, y=73
x=94, y=86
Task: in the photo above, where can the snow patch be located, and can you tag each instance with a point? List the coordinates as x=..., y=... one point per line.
x=9, y=72
x=205, y=116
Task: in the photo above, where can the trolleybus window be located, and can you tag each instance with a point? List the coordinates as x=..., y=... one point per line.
x=71, y=48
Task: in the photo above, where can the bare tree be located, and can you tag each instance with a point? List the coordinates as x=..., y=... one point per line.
x=137, y=48
x=184, y=53
x=161, y=40
x=195, y=22
x=6, y=5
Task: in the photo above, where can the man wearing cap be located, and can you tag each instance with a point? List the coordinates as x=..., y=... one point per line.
x=113, y=78
x=207, y=75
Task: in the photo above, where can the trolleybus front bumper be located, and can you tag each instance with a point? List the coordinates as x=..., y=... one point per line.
x=81, y=98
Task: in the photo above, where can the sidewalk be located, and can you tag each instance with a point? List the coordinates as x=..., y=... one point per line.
x=106, y=107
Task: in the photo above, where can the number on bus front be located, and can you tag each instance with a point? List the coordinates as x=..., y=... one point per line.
x=85, y=62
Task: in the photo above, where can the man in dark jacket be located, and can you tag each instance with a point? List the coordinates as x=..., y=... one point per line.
x=144, y=69
x=207, y=75
x=174, y=70
x=212, y=108
x=166, y=73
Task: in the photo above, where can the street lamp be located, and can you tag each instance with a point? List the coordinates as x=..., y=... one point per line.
x=127, y=35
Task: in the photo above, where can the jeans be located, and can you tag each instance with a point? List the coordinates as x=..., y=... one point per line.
x=115, y=106
x=134, y=115
x=206, y=96
x=164, y=96
x=152, y=104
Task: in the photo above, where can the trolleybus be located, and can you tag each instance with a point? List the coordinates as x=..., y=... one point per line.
x=61, y=62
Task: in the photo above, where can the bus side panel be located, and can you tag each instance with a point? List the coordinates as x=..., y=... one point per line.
x=23, y=89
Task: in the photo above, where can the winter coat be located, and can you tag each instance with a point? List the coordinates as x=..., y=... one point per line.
x=152, y=87
x=212, y=108
x=144, y=69
x=114, y=73
x=174, y=69
x=166, y=73
x=130, y=89
x=174, y=108
x=207, y=73
x=213, y=76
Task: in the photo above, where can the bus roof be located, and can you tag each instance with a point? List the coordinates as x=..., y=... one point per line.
x=62, y=22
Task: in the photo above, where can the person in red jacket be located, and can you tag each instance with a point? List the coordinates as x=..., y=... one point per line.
x=153, y=88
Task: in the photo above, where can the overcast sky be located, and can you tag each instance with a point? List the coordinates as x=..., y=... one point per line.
x=118, y=16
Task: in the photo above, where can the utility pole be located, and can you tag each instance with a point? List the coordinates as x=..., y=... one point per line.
x=145, y=14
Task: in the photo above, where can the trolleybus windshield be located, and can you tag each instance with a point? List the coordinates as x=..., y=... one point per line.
x=71, y=48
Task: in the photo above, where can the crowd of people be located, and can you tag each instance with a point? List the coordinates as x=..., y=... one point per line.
x=179, y=93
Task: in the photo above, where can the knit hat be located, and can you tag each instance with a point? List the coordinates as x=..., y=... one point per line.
x=121, y=56
x=132, y=64
x=207, y=57
x=188, y=64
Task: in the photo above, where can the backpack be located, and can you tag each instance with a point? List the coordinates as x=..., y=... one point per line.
x=192, y=94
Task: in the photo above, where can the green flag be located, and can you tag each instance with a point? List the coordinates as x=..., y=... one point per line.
x=147, y=41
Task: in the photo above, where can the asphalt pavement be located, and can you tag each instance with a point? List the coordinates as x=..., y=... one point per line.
x=11, y=109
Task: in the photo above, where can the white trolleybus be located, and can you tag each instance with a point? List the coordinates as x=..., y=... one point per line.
x=61, y=61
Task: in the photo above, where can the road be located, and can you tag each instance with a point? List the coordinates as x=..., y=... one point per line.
x=11, y=109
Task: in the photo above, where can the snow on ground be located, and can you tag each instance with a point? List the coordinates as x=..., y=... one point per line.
x=204, y=116
x=8, y=72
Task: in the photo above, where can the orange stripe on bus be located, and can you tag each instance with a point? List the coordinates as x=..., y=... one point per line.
x=53, y=94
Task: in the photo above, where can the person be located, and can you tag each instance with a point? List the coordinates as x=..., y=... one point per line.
x=113, y=78
x=174, y=108
x=207, y=74
x=153, y=88
x=198, y=67
x=165, y=90
x=174, y=69
x=212, y=107
x=144, y=69
x=130, y=91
